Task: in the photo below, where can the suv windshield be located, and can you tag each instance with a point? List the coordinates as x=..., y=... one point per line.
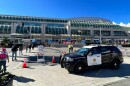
x=81, y=51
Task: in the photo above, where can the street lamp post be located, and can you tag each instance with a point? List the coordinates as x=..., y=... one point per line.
x=100, y=32
x=100, y=36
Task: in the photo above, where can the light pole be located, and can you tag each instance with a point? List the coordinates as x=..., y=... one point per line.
x=100, y=36
x=100, y=32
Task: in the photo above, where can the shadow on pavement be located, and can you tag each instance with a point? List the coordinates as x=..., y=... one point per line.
x=123, y=71
x=47, y=58
x=48, y=61
x=23, y=79
x=18, y=61
x=32, y=52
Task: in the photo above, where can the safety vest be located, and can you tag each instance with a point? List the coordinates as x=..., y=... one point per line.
x=69, y=46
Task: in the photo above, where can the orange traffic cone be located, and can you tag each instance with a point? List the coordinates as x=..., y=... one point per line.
x=53, y=59
x=24, y=64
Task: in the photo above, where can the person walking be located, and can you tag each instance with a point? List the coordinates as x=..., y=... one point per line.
x=20, y=49
x=26, y=48
x=30, y=48
x=3, y=58
x=40, y=47
x=69, y=47
x=14, y=52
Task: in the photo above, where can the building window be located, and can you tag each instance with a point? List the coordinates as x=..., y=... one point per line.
x=119, y=33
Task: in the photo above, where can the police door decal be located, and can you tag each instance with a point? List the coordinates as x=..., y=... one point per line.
x=94, y=60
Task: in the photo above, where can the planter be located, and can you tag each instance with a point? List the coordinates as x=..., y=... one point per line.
x=6, y=79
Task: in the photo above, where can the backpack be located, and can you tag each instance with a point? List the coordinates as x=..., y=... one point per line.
x=2, y=56
x=14, y=48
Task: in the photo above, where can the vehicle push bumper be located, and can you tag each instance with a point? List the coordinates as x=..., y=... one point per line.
x=68, y=65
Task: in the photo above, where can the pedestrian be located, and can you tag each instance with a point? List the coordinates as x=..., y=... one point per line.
x=40, y=47
x=30, y=48
x=69, y=47
x=26, y=48
x=3, y=58
x=14, y=52
x=20, y=49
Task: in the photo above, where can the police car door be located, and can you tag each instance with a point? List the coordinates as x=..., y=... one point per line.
x=106, y=55
x=94, y=57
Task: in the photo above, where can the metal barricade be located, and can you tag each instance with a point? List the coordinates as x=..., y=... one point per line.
x=39, y=54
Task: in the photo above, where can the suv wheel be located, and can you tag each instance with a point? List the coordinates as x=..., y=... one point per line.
x=79, y=68
x=116, y=64
x=61, y=62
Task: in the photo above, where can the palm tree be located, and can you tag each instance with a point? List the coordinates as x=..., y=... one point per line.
x=5, y=41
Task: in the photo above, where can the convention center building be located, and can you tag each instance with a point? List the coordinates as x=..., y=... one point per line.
x=60, y=30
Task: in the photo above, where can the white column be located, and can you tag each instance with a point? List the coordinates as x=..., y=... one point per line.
x=13, y=27
x=69, y=29
x=43, y=32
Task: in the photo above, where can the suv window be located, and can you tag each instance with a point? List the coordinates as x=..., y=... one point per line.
x=81, y=51
x=115, y=49
x=105, y=50
x=94, y=51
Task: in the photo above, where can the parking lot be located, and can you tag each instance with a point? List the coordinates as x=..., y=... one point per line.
x=51, y=74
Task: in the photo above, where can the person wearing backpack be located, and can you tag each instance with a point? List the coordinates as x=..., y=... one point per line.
x=14, y=52
x=3, y=57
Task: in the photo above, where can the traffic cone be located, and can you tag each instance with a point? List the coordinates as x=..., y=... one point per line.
x=24, y=64
x=53, y=59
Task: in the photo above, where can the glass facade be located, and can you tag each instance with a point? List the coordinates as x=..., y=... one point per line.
x=103, y=33
x=55, y=25
x=93, y=25
x=119, y=33
x=56, y=30
x=80, y=32
x=38, y=19
x=5, y=27
x=60, y=27
x=27, y=28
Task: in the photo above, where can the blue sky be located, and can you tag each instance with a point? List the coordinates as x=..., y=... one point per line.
x=115, y=10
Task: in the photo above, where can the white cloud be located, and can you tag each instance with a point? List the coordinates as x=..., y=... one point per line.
x=128, y=25
x=122, y=24
x=114, y=22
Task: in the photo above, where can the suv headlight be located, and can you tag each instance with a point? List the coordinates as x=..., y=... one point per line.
x=69, y=59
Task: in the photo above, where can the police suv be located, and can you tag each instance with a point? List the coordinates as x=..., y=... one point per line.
x=91, y=56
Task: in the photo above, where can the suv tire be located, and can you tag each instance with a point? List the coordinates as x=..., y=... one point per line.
x=116, y=64
x=61, y=62
x=79, y=68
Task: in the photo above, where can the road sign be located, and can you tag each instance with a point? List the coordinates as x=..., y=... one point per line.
x=33, y=40
x=68, y=39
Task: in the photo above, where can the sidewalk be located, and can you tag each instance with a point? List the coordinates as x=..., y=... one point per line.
x=48, y=74
x=12, y=65
x=20, y=58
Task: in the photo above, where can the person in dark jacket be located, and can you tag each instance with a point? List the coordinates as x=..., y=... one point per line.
x=14, y=52
x=30, y=46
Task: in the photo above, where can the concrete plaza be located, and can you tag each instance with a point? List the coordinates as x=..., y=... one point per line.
x=51, y=74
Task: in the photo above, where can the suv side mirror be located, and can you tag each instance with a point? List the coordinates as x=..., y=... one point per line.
x=90, y=54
